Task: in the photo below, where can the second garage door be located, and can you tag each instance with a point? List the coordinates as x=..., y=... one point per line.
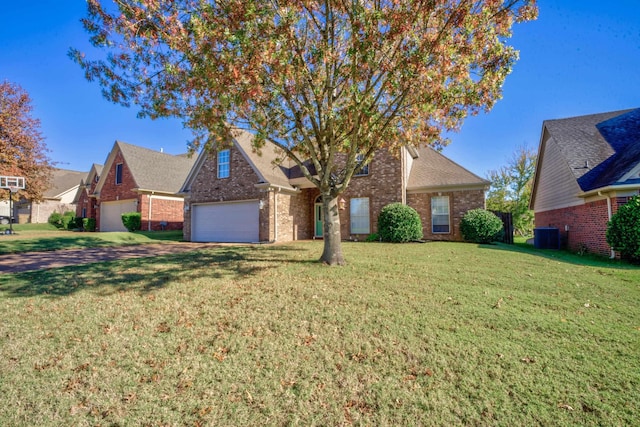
x=225, y=222
x=111, y=214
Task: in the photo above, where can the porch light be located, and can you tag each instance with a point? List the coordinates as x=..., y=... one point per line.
x=342, y=204
x=261, y=204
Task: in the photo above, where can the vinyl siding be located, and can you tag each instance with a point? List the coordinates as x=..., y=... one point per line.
x=557, y=186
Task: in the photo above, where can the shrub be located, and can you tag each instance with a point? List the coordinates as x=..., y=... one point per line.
x=480, y=226
x=55, y=219
x=399, y=223
x=89, y=224
x=373, y=237
x=623, y=231
x=132, y=221
x=68, y=220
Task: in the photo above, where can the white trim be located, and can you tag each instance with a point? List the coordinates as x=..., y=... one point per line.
x=610, y=189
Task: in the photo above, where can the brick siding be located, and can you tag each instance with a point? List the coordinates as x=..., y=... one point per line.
x=460, y=202
x=587, y=226
x=169, y=211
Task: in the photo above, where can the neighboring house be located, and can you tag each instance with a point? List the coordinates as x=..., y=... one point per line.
x=58, y=198
x=236, y=195
x=86, y=204
x=137, y=179
x=588, y=167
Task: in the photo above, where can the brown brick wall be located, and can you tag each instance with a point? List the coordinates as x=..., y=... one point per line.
x=295, y=215
x=587, y=225
x=84, y=201
x=165, y=214
x=383, y=185
x=460, y=202
x=110, y=191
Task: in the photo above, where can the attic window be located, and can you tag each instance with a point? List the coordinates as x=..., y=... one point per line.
x=223, y=164
x=119, y=173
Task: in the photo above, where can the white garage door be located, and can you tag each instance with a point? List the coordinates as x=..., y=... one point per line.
x=225, y=222
x=111, y=214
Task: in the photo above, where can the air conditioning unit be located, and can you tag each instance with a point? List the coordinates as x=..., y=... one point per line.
x=546, y=238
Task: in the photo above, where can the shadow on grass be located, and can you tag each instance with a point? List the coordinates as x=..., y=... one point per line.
x=591, y=260
x=163, y=236
x=144, y=274
x=52, y=244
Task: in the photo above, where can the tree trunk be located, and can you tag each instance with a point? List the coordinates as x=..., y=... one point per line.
x=332, y=254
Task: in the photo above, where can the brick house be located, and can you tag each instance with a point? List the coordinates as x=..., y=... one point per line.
x=137, y=179
x=59, y=197
x=236, y=195
x=85, y=204
x=587, y=167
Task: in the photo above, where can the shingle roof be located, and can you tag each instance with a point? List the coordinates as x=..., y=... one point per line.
x=62, y=181
x=598, y=148
x=265, y=161
x=156, y=171
x=432, y=170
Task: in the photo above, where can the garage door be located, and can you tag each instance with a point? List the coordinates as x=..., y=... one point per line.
x=111, y=214
x=225, y=222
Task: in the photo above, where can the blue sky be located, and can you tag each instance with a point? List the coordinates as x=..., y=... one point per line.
x=579, y=57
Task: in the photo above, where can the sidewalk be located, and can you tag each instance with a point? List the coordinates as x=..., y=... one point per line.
x=29, y=261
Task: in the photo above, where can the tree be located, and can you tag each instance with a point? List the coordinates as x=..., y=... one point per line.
x=22, y=148
x=511, y=187
x=328, y=81
x=623, y=231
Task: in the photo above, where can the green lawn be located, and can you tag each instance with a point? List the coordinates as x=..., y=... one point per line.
x=418, y=334
x=45, y=237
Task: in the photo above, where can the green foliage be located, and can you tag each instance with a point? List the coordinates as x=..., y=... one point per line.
x=55, y=219
x=132, y=221
x=623, y=231
x=373, y=237
x=511, y=189
x=89, y=224
x=64, y=221
x=480, y=226
x=399, y=223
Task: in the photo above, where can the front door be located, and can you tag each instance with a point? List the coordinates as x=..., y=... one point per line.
x=318, y=232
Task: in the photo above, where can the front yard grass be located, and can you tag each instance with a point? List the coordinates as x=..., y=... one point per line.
x=417, y=334
x=45, y=237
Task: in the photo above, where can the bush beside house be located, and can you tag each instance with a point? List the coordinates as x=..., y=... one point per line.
x=480, y=226
x=399, y=223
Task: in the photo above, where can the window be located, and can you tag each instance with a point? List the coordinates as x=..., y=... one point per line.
x=119, y=173
x=440, y=214
x=223, y=164
x=365, y=168
x=360, y=216
x=84, y=212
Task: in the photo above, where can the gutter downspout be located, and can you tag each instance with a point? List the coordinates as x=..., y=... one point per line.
x=149, y=217
x=275, y=214
x=609, y=212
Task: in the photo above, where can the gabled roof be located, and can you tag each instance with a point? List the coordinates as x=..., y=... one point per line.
x=432, y=170
x=263, y=163
x=599, y=149
x=95, y=171
x=151, y=170
x=63, y=181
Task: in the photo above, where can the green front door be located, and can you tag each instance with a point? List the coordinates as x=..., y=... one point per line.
x=318, y=217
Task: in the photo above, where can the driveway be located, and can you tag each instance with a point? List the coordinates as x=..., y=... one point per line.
x=29, y=261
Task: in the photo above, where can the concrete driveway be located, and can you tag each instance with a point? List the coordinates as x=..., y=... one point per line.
x=29, y=261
